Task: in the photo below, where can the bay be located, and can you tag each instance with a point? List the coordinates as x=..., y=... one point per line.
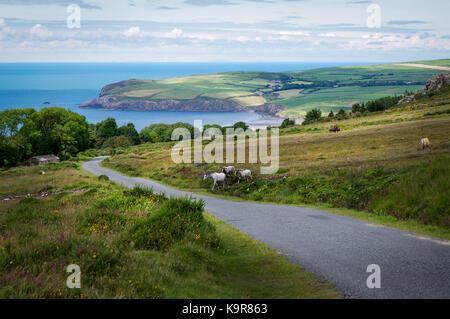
x=70, y=84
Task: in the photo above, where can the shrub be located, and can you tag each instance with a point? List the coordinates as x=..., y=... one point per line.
x=176, y=219
x=96, y=221
x=141, y=193
x=287, y=123
x=313, y=115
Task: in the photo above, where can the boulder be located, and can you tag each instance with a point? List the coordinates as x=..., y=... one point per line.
x=435, y=84
x=407, y=99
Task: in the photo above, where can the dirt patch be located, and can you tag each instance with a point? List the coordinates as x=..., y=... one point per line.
x=418, y=65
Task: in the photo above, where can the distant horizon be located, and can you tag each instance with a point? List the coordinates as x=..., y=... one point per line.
x=226, y=62
x=223, y=62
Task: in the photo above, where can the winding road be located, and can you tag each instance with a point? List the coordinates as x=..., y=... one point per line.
x=338, y=249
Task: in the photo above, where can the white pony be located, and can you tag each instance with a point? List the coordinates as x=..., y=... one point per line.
x=216, y=177
x=229, y=170
x=244, y=174
x=425, y=142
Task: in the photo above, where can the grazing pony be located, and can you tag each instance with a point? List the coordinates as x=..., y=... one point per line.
x=335, y=129
x=229, y=170
x=425, y=142
x=216, y=177
x=244, y=174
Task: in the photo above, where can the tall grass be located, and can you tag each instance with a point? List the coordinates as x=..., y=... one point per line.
x=421, y=194
x=130, y=244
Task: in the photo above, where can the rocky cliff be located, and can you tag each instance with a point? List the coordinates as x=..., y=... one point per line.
x=433, y=85
x=211, y=105
x=111, y=99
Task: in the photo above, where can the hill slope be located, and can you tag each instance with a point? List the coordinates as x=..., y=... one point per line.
x=374, y=164
x=283, y=93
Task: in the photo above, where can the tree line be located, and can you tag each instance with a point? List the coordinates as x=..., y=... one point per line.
x=26, y=132
x=358, y=109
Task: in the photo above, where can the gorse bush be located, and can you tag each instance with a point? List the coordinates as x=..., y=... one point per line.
x=96, y=221
x=140, y=192
x=103, y=178
x=112, y=227
x=174, y=220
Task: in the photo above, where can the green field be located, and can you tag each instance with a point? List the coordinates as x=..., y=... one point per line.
x=444, y=62
x=297, y=92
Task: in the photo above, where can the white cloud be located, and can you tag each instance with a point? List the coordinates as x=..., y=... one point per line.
x=294, y=33
x=2, y=22
x=41, y=31
x=175, y=33
x=132, y=32
x=327, y=35
x=242, y=39
x=387, y=42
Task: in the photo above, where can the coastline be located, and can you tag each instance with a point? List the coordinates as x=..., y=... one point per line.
x=265, y=121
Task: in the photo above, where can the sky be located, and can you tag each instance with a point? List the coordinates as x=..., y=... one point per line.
x=223, y=30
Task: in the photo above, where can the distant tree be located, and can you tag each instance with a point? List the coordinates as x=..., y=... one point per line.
x=313, y=115
x=148, y=136
x=342, y=112
x=164, y=131
x=383, y=103
x=356, y=108
x=287, y=123
x=107, y=128
x=26, y=132
x=241, y=125
x=57, y=131
x=208, y=126
x=117, y=141
x=331, y=114
x=14, y=144
x=130, y=132
x=153, y=137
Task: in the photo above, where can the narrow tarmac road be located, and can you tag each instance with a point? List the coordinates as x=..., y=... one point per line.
x=338, y=249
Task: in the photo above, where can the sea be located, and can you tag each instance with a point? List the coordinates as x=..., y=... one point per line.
x=68, y=85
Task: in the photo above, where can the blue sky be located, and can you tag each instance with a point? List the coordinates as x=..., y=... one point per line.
x=224, y=30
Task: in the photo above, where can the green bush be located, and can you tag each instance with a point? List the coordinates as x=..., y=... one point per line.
x=287, y=123
x=176, y=219
x=94, y=220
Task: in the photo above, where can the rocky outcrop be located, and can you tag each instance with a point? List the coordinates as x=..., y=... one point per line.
x=269, y=109
x=433, y=85
x=407, y=99
x=201, y=104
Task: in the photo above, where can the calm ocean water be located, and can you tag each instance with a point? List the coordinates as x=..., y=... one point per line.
x=70, y=84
